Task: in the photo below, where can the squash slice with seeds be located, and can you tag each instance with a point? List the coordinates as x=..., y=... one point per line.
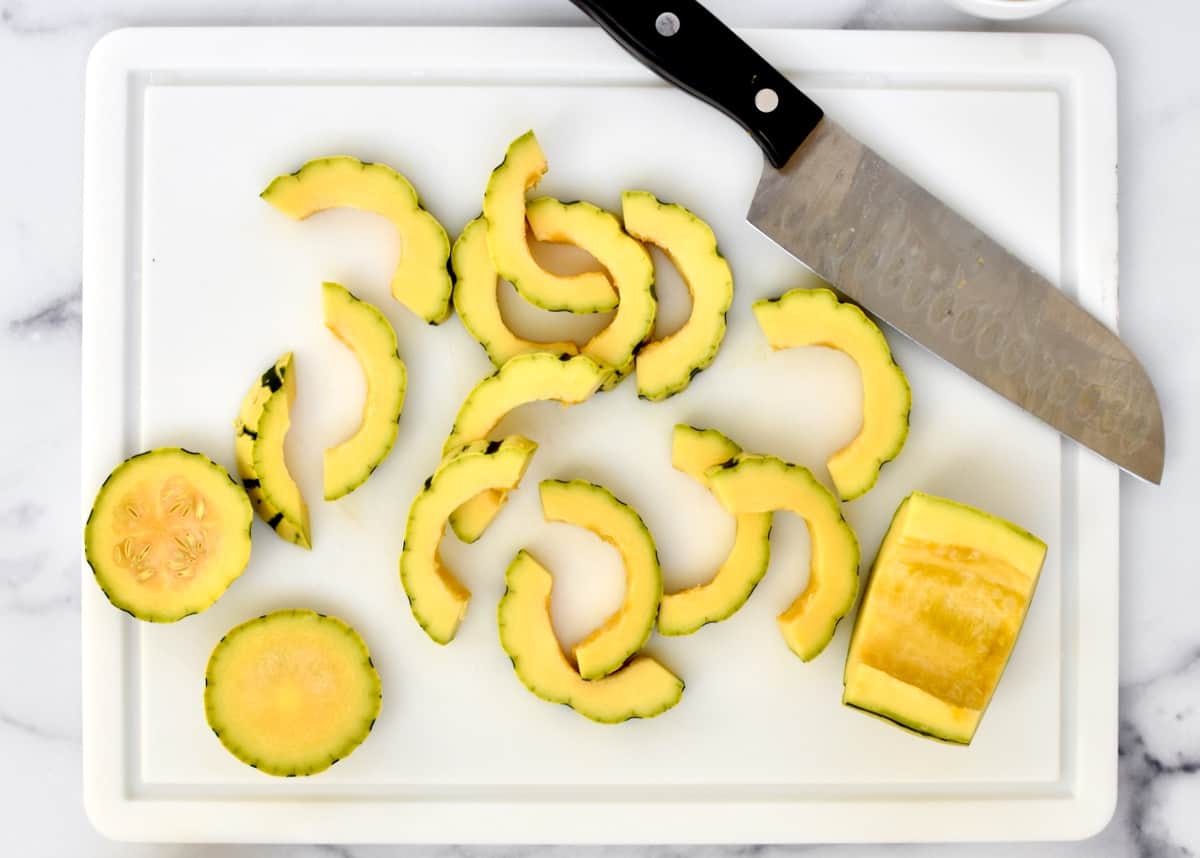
x=168, y=533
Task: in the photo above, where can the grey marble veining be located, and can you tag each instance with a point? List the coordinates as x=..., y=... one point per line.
x=43, y=49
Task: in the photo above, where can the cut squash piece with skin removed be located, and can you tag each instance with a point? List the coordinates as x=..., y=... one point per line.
x=168, y=533
x=815, y=317
x=643, y=688
x=523, y=379
x=595, y=508
x=291, y=693
x=947, y=597
x=477, y=304
x=421, y=281
x=599, y=233
x=667, y=366
x=371, y=337
x=259, y=433
x=438, y=599
x=504, y=210
x=695, y=451
x=758, y=484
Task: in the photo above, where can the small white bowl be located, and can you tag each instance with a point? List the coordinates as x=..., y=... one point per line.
x=1006, y=10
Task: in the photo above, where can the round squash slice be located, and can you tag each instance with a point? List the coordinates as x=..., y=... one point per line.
x=437, y=598
x=168, y=533
x=694, y=451
x=815, y=317
x=504, y=209
x=259, y=433
x=291, y=692
x=624, y=633
x=523, y=379
x=477, y=305
x=667, y=366
x=371, y=337
x=642, y=688
x=759, y=484
x=421, y=281
x=599, y=233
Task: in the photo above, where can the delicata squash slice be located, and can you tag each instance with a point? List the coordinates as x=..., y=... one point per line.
x=437, y=598
x=168, y=533
x=421, y=281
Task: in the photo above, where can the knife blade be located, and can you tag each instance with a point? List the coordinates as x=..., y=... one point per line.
x=888, y=244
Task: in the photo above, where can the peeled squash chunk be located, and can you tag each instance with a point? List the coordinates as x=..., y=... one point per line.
x=642, y=688
x=815, y=317
x=371, y=337
x=437, y=598
x=667, y=366
x=524, y=379
x=168, y=533
x=259, y=433
x=478, y=306
x=947, y=597
x=421, y=281
x=504, y=210
x=694, y=451
x=629, y=265
x=626, y=631
x=758, y=484
x=291, y=692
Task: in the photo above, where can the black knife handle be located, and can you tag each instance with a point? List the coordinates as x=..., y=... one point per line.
x=683, y=42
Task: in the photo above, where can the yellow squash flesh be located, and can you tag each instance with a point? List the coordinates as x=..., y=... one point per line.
x=291, y=692
x=523, y=379
x=421, y=281
x=759, y=484
x=477, y=305
x=504, y=210
x=815, y=317
x=643, y=688
x=371, y=337
x=624, y=633
x=667, y=366
x=628, y=264
x=168, y=533
x=259, y=433
x=437, y=598
x=947, y=598
x=695, y=451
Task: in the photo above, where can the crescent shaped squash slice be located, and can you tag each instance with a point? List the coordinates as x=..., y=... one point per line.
x=437, y=598
x=815, y=317
x=758, y=484
x=624, y=633
x=292, y=692
x=667, y=366
x=369, y=334
x=259, y=433
x=523, y=379
x=628, y=264
x=643, y=688
x=168, y=533
x=475, y=284
x=421, y=280
x=695, y=451
x=523, y=166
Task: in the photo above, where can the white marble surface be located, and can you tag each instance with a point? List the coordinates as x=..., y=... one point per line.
x=43, y=48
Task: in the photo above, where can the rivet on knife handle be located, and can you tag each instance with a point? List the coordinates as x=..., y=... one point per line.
x=683, y=42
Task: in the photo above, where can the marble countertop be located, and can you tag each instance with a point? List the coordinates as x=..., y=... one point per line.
x=43, y=49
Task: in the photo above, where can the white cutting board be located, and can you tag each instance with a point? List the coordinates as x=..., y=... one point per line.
x=193, y=286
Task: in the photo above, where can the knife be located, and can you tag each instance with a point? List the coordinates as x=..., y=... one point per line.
x=888, y=244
